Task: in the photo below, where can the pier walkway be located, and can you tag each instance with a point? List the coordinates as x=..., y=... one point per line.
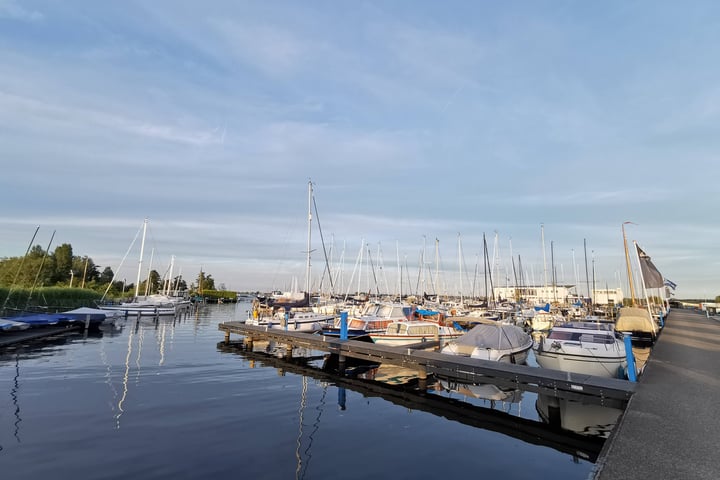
x=671, y=426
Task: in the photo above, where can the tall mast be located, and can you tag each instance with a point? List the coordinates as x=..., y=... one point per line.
x=627, y=264
x=542, y=239
x=142, y=250
x=309, y=237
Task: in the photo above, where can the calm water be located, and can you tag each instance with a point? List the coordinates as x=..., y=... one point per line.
x=169, y=400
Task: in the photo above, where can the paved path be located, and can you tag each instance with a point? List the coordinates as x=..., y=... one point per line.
x=671, y=427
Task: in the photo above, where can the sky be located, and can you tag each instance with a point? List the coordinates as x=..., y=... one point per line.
x=423, y=126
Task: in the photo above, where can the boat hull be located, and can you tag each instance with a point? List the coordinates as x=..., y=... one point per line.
x=611, y=367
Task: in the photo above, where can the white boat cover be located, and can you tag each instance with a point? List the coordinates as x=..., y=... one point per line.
x=495, y=336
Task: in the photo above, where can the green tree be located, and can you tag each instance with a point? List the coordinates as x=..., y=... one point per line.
x=106, y=276
x=154, y=283
x=205, y=282
x=64, y=263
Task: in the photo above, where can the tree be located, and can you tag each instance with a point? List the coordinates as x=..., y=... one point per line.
x=63, y=263
x=154, y=284
x=106, y=276
x=205, y=282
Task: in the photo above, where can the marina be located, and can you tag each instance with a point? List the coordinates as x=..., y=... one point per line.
x=166, y=397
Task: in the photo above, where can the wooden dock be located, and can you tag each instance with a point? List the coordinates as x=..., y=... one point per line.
x=589, y=389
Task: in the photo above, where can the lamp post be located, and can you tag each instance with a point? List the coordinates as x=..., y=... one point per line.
x=72, y=275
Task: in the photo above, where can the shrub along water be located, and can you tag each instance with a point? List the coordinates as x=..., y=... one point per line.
x=47, y=299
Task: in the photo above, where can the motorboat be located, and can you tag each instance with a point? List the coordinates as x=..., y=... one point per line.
x=375, y=318
x=8, y=324
x=298, y=321
x=591, y=348
x=496, y=342
x=416, y=331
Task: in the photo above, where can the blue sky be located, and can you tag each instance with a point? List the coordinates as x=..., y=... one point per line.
x=416, y=121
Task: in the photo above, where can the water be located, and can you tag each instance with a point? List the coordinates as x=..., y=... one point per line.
x=170, y=400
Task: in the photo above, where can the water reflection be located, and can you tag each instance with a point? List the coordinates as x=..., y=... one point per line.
x=584, y=419
x=434, y=399
x=304, y=455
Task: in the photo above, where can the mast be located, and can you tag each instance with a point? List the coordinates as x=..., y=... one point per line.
x=542, y=239
x=552, y=264
x=142, y=250
x=627, y=264
x=309, y=238
x=462, y=305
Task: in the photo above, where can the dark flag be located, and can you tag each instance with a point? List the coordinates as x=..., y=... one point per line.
x=670, y=284
x=651, y=276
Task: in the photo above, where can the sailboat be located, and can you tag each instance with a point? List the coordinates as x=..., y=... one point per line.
x=148, y=305
x=635, y=320
x=286, y=310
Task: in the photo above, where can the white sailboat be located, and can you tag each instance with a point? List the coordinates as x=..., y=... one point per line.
x=635, y=320
x=147, y=305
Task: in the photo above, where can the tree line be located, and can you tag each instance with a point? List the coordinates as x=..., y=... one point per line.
x=62, y=268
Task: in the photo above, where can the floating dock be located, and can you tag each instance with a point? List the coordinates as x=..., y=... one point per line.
x=589, y=389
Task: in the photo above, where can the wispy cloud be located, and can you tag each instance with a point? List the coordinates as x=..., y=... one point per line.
x=11, y=9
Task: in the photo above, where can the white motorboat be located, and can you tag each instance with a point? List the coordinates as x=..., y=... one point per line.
x=590, y=348
x=416, y=331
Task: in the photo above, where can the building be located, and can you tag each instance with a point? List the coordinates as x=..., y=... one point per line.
x=563, y=294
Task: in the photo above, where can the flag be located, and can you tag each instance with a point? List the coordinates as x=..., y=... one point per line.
x=671, y=284
x=651, y=276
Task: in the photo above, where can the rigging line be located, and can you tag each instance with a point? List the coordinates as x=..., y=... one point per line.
x=37, y=275
x=322, y=242
x=121, y=264
x=372, y=269
x=17, y=272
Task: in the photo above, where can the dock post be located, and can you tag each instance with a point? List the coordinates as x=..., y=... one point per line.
x=248, y=342
x=342, y=396
x=662, y=320
x=343, y=325
x=422, y=377
x=286, y=318
x=87, y=321
x=343, y=336
x=632, y=373
x=227, y=336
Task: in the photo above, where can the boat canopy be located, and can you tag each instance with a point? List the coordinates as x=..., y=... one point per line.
x=498, y=336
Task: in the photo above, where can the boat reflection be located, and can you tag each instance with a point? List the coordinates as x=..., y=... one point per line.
x=483, y=391
x=584, y=419
x=410, y=394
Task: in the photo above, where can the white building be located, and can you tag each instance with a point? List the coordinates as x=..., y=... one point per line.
x=565, y=294
x=607, y=296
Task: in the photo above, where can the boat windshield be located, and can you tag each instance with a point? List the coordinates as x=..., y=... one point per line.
x=583, y=337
